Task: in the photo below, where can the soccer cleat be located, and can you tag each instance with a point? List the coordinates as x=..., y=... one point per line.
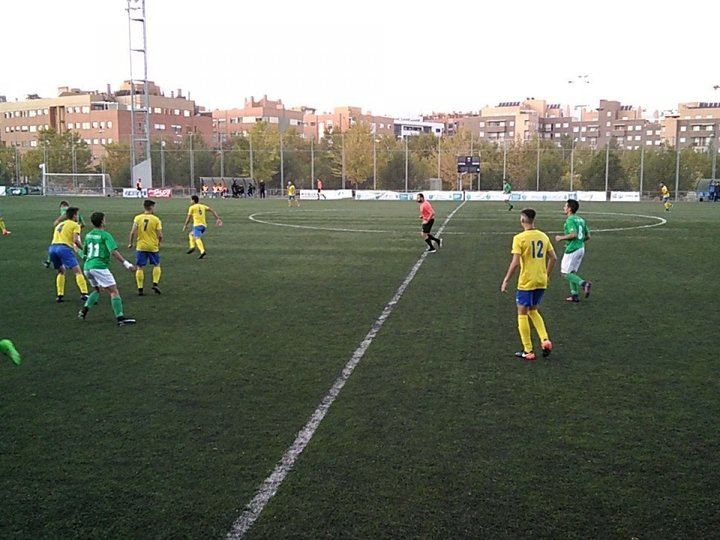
x=202, y=255
x=528, y=356
x=141, y=292
x=122, y=320
x=84, y=297
x=572, y=298
x=586, y=286
x=440, y=242
x=83, y=313
x=546, y=348
x=6, y=232
x=189, y=251
x=9, y=350
x=60, y=299
x=156, y=289
x=431, y=250
x=46, y=264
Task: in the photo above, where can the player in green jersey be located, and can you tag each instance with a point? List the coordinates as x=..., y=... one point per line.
x=8, y=349
x=64, y=205
x=100, y=246
x=576, y=234
x=507, y=190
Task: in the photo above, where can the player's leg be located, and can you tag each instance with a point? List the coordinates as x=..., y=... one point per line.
x=81, y=283
x=141, y=260
x=199, y=231
x=8, y=349
x=117, y=306
x=569, y=264
x=156, y=271
x=3, y=227
x=523, y=323
x=60, y=284
x=191, y=240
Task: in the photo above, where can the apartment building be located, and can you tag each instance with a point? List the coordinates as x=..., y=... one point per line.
x=411, y=127
x=99, y=118
x=316, y=125
x=230, y=123
x=695, y=125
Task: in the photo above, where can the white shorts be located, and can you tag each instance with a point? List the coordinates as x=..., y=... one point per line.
x=571, y=261
x=100, y=277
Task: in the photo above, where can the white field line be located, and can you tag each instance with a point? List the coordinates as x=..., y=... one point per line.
x=271, y=484
x=659, y=221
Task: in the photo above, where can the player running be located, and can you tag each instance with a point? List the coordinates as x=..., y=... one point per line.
x=533, y=252
x=319, y=184
x=65, y=242
x=427, y=218
x=99, y=247
x=147, y=227
x=3, y=228
x=64, y=205
x=198, y=212
x=8, y=349
x=665, y=194
x=292, y=195
x=507, y=190
x=576, y=234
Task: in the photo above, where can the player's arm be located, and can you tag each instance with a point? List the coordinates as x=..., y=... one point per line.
x=115, y=254
x=214, y=213
x=159, y=233
x=551, y=260
x=562, y=237
x=77, y=241
x=187, y=220
x=514, y=264
x=133, y=232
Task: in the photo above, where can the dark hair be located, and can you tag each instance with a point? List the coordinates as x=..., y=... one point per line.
x=529, y=213
x=195, y=199
x=64, y=203
x=71, y=212
x=573, y=205
x=148, y=204
x=97, y=219
x=421, y=195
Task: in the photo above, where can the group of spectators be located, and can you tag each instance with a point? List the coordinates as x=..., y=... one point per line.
x=236, y=191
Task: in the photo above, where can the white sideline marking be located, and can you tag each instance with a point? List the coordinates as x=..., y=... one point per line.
x=659, y=221
x=271, y=484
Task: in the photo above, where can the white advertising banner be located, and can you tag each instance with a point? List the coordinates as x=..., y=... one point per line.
x=132, y=193
x=331, y=194
x=159, y=193
x=485, y=196
x=376, y=195
x=552, y=196
x=625, y=196
x=592, y=196
x=2, y=191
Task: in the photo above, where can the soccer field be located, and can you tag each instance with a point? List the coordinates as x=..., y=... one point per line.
x=167, y=429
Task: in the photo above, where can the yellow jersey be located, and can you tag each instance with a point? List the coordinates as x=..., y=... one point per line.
x=291, y=191
x=148, y=227
x=197, y=211
x=65, y=232
x=532, y=246
x=665, y=191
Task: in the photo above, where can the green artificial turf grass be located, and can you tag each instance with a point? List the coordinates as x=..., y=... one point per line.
x=167, y=429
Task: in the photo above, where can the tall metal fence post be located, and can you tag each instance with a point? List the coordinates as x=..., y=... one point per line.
x=439, y=142
x=192, y=163
x=677, y=169
x=222, y=161
x=252, y=174
x=162, y=163
x=642, y=168
x=342, y=150
x=374, y=162
x=537, y=165
x=504, y=159
x=572, y=164
x=607, y=166
x=312, y=163
x=406, y=165
x=282, y=166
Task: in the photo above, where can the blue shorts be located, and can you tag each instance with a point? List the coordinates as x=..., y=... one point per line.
x=198, y=231
x=529, y=298
x=62, y=255
x=142, y=258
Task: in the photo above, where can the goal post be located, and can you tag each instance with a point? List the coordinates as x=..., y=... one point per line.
x=76, y=184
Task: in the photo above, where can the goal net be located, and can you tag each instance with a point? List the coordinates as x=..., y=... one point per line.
x=76, y=184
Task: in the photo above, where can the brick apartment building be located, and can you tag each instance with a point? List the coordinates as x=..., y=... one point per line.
x=696, y=125
x=99, y=118
x=316, y=125
x=228, y=123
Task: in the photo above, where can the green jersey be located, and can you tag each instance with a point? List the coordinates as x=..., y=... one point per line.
x=98, y=246
x=507, y=188
x=576, y=224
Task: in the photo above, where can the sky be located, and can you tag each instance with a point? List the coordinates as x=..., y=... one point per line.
x=395, y=57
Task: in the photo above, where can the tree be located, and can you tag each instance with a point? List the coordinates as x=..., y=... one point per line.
x=61, y=152
x=266, y=151
x=116, y=163
x=8, y=165
x=358, y=142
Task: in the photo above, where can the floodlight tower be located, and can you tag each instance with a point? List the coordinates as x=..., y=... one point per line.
x=139, y=94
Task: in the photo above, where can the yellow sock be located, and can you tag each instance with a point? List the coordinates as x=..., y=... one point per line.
x=2, y=225
x=538, y=323
x=524, y=329
x=191, y=238
x=60, y=284
x=200, y=245
x=157, y=272
x=139, y=278
x=81, y=283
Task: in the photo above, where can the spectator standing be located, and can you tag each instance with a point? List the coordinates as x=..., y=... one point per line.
x=262, y=189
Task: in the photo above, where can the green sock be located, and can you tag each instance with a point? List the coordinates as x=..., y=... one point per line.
x=575, y=282
x=8, y=349
x=116, y=302
x=92, y=298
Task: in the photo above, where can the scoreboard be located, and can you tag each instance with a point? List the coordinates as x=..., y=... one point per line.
x=468, y=164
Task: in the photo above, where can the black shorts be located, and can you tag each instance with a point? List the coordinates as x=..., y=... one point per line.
x=427, y=227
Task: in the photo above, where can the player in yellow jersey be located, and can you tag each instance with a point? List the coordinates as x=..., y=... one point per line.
x=198, y=213
x=665, y=194
x=147, y=227
x=292, y=195
x=534, y=254
x=66, y=240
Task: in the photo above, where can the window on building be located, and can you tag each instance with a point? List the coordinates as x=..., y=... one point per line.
x=176, y=112
x=86, y=109
x=186, y=113
x=96, y=141
x=109, y=124
x=607, y=124
x=157, y=110
x=71, y=125
x=95, y=125
x=648, y=143
x=683, y=128
x=657, y=143
x=86, y=125
x=637, y=137
x=109, y=141
x=682, y=139
x=565, y=125
x=33, y=143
